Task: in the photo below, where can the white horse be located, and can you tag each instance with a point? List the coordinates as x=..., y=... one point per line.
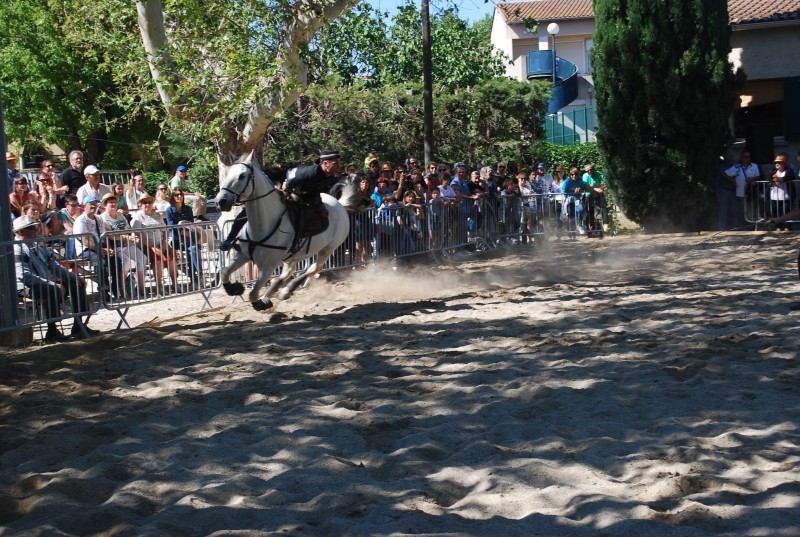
x=269, y=234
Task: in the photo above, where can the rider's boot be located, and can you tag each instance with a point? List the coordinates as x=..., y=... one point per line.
x=233, y=235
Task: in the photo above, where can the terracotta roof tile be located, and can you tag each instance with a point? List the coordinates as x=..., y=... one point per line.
x=740, y=11
x=547, y=9
x=748, y=11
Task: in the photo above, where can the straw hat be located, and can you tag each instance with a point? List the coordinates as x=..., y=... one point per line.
x=24, y=222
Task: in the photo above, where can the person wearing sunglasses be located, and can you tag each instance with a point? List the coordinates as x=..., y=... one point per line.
x=161, y=201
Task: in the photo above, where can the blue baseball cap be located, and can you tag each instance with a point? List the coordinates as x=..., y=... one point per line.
x=90, y=199
x=181, y=169
x=542, y=166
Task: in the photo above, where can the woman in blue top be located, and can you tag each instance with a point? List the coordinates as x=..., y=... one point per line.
x=184, y=237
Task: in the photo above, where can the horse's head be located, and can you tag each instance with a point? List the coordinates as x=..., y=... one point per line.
x=238, y=184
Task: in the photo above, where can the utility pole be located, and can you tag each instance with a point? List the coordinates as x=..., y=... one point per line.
x=427, y=82
x=8, y=280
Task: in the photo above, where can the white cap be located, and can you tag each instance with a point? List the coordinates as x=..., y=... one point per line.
x=90, y=170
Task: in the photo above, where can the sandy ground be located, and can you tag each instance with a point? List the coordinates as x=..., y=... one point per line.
x=641, y=386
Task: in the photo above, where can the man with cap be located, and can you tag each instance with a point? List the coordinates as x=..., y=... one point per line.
x=306, y=183
x=93, y=187
x=196, y=200
x=89, y=246
x=42, y=279
x=11, y=170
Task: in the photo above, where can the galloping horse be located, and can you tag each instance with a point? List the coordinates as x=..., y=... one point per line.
x=269, y=234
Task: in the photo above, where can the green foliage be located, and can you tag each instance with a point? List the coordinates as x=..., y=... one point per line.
x=567, y=155
x=363, y=45
x=153, y=179
x=54, y=90
x=203, y=172
x=495, y=120
x=49, y=91
x=664, y=89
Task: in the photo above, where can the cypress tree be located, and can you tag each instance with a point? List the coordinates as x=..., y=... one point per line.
x=665, y=90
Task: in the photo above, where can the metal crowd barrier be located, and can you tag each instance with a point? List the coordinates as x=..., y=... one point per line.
x=135, y=275
x=767, y=199
x=147, y=265
x=33, y=304
x=442, y=229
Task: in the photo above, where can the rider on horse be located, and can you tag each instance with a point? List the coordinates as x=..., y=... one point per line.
x=306, y=184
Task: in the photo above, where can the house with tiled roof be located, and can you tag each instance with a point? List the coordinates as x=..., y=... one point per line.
x=765, y=43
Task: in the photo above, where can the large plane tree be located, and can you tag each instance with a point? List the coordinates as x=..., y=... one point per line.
x=219, y=71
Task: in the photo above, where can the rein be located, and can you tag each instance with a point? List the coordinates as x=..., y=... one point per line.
x=253, y=244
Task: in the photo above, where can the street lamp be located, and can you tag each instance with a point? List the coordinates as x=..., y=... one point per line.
x=553, y=29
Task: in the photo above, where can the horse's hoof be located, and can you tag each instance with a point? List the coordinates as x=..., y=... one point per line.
x=284, y=294
x=233, y=289
x=260, y=305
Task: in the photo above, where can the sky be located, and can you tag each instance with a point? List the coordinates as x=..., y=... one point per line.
x=469, y=10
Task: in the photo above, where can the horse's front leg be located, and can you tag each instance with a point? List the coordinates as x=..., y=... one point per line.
x=235, y=288
x=254, y=296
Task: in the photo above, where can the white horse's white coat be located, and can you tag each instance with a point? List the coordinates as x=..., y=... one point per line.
x=268, y=223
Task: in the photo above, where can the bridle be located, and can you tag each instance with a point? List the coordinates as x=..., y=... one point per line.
x=251, y=182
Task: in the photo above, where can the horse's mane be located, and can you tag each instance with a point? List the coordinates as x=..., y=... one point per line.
x=346, y=191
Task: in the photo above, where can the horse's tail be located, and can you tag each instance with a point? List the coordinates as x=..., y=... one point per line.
x=346, y=191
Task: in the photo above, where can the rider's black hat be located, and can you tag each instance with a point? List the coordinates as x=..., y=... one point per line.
x=328, y=154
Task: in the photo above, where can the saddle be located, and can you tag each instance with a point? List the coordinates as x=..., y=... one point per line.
x=307, y=219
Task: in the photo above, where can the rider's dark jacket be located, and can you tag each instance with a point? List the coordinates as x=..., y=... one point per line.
x=309, y=182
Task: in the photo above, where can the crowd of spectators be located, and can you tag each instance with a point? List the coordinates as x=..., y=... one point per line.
x=439, y=202
x=71, y=210
x=748, y=193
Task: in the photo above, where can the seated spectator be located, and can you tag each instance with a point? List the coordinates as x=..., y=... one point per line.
x=155, y=243
x=32, y=209
x=21, y=195
x=183, y=238
x=118, y=189
x=195, y=200
x=93, y=187
x=135, y=191
x=47, y=202
x=126, y=249
x=72, y=210
x=48, y=168
x=161, y=202
x=90, y=247
x=46, y=282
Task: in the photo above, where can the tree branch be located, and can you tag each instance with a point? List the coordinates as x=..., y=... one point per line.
x=293, y=70
x=154, y=40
